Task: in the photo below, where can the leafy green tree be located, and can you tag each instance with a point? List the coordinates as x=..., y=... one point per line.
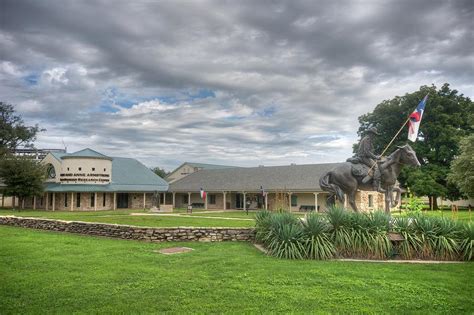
x=160, y=172
x=13, y=132
x=444, y=123
x=23, y=177
x=462, y=168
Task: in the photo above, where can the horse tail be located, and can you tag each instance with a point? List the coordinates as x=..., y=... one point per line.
x=325, y=184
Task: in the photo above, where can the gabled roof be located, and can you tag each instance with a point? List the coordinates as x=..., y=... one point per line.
x=271, y=178
x=86, y=153
x=58, y=155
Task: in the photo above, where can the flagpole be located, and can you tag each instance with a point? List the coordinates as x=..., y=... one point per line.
x=391, y=141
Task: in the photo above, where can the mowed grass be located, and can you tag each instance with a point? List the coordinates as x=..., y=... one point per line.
x=461, y=215
x=46, y=272
x=124, y=217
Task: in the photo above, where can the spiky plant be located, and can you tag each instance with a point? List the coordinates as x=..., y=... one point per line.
x=379, y=245
x=466, y=243
x=412, y=245
x=340, y=222
x=317, y=239
x=262, y=225
x=446, y=245
x=286, y=241
x=426, y=230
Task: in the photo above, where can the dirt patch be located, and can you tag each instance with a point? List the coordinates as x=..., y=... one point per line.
x=174, y=250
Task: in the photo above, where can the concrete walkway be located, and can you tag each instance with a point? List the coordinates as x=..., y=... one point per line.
x=188, y=216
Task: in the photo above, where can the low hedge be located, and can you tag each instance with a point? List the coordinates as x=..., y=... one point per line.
x=343, y=234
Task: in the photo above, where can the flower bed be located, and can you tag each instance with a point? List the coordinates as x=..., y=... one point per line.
x=343, y=234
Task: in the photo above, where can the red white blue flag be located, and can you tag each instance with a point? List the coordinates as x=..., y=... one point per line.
x=415, y=120
x=203, y=194
x=264, y=193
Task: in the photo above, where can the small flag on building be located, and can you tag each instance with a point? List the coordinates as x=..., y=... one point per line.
x=264, y=193
x=203, y=194
x=415, y=120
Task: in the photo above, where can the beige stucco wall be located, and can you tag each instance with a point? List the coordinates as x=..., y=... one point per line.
x=50, y=159
x=181, y=172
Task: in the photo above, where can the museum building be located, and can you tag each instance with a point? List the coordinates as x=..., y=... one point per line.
x=89, y=180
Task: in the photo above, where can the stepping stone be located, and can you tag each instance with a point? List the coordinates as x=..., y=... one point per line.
x=174, y=250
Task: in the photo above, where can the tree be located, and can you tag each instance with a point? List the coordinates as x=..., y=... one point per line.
x=23, y=177
x=160, y=172
x=462, y=168
x=13, y=132
x=444, y=123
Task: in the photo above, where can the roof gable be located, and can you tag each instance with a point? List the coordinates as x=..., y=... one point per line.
x=86, y=153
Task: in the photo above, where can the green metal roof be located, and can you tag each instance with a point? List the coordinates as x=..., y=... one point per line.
x=127, y=175
x=86, y=153
x=58, y=155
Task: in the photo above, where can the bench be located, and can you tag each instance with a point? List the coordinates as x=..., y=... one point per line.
x=198, y=205
x=307, y=208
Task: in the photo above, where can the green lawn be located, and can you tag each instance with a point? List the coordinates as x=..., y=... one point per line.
x=46, y=272
x=238, y=214
x=461, y=215
x=124, y=217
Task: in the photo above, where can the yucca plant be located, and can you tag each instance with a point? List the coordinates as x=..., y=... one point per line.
x=379, y=245
x=317, y=240
x=445, y=244
x=262, y=225
x=426, y=229
x=340, y=223
x=466, y=243
x=412, y=245
x=286, y=241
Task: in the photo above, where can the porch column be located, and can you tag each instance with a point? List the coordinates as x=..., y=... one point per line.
x=189, y=198
x=3, y=199
x=54, y=201
x=345, y=201
x=115, y=201
x=72, y=201
x=144, y=200
x=46, y=204
x=174, y=200
x=164, y=198
x=289, y=200
x=245, y=200
x=95, y=201
x=205, y=202
x=316, y=201
x=224, y=199
x=23, y=203
x=34, y=202
x=266, y=201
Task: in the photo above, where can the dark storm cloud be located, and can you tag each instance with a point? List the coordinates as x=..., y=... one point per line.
x=286, y=79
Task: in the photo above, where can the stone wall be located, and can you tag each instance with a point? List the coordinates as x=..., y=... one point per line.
x=205, y=234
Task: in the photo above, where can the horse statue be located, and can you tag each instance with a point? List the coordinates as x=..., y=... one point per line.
x=346, y=179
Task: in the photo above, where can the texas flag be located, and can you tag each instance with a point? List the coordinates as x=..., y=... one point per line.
x=415, y=120
x=203, y=194
x=264, y=193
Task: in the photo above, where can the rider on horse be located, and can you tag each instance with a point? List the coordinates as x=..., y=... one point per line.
x=366, y=155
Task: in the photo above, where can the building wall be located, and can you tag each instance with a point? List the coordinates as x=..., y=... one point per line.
x=181, y=172
x=362, y=201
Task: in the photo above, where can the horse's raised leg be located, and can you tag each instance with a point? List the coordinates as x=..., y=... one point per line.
x=352, y=202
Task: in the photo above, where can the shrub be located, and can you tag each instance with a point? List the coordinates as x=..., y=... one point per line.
x=318, y=244
x=340, y=221
x=262, y=224
x=467, y=241
x=412, y=244
x=286, y=240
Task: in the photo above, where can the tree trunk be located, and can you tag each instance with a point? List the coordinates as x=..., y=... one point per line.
x=433, y=203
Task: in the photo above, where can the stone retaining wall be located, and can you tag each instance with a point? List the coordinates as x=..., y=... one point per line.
x=206, y=234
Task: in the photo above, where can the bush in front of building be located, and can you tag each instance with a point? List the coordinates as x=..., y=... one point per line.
x=343, y=234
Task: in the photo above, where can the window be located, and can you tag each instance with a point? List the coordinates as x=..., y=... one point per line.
x=78, y=200
x=371, y=201
x=51, y=199
x=103, y=199
x=68, y=168
x=92, y=200
x=65, y=199
x=294, y=200
x=80, y=168
x=105, y=169
x=93, y=169
x=212, y=199
x=41, y=201
x=185, y=199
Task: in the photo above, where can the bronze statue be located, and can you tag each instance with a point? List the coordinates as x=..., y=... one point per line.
x=349, y=177
x=365, y=154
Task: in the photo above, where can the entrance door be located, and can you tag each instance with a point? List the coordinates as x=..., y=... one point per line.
x=122, y=200
x=239, y=201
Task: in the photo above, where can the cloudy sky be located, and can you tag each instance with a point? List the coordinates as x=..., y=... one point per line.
x=229, y=82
